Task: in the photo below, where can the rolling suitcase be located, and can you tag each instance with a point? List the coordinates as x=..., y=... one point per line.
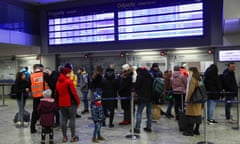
x=182, y=116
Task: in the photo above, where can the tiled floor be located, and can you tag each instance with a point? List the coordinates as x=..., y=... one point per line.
x=165, y=131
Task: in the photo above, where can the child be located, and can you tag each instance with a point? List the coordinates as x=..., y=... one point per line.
x=98, y=117
x=47, y=108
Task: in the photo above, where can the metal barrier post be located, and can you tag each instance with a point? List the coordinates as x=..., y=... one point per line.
x=132, y=136
x=237, y=126
x=3, y=99
x=205, y=126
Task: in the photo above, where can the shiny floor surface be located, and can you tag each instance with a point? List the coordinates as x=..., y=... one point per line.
x=165, y=131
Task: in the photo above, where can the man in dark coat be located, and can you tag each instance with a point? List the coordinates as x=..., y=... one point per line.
x=144, y=86
x=109, y=87
x=229, y=85
x=213, y=86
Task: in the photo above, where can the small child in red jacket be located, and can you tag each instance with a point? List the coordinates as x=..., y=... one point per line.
x=47, y=108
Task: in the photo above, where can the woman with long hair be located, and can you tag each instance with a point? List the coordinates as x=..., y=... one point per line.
x=193, y=110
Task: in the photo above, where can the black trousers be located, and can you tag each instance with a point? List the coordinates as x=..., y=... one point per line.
x=178, y=104
x=35, y=115
x=109, y=108
x=46, y=130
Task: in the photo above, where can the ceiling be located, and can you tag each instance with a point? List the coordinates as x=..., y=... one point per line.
x=43, y=2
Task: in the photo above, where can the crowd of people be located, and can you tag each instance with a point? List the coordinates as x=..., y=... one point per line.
x=56, y=101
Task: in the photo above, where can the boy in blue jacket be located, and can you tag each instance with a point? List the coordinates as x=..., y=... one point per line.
x=97, y=116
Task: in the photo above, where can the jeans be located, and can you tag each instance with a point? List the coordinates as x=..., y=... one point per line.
x=139, y=115
x=85, y=99
x=97, y=129
x=211, y=105
x=21, y=105
x=68, y=113
x=170, y=105
x=228, y=107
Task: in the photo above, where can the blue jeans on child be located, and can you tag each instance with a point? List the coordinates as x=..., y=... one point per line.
x=139, y=115
x=97, y=129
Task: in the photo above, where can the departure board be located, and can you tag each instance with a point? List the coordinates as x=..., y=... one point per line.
x=81, y=29
x=164, y=22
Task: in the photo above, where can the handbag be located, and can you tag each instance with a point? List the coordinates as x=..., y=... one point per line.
x=169, y=95
x=199, y=95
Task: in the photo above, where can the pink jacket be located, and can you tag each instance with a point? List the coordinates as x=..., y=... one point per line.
x=178, y=82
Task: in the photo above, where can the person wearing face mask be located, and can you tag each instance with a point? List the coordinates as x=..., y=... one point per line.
x=68, y=101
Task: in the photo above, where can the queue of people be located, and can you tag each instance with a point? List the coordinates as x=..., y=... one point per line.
x=106, y=86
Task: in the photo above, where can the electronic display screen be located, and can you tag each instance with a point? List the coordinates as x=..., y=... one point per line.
x=229, y=55
x=81, y=29
x=165, y=22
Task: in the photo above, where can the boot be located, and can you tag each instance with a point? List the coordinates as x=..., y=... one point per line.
x=95, y=140
x=101, y=138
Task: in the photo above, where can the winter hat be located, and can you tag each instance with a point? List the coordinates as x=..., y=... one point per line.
x=47, y=93
x=68, y=65
x=154, y=65
x=65, y=70
x=97, y=97
x=125, y=67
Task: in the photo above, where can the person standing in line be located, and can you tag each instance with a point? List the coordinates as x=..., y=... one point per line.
x=143, y=87
x=168, y=90
x=97, y=79
x=178, y=84
x=39, y=81
x=98, y=117
x=21, y=87
x=84, y=87
x=125, y=89
x=109, y=87
x=229, y=85
x=212, y=84
x=193, y=111
x=47, y=109
x=68, y=101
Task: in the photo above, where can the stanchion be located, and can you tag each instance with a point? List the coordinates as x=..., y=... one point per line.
x=205, y=126
x=3, y=99
x=237, y=126
x=132, y=136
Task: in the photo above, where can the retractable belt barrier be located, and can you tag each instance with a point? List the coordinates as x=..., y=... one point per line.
x=116, y=98
x=3, y=94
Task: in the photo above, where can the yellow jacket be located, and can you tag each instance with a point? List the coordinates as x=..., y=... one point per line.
x=74, y=78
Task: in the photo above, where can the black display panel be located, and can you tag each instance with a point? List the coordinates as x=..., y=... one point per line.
x=81, y=29
x=165, y=22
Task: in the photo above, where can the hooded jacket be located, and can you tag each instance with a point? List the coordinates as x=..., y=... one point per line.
x=46, y=110
x=144, y=86
x=178, y=82
x=66, y=92
x=212, y=82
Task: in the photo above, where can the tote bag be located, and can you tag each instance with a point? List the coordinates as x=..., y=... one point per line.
x=199, y=95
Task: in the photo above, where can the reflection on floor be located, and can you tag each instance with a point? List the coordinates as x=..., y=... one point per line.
x=165, y=131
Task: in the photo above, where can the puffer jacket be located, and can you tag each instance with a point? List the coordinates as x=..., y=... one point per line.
x=97, y=112
x=178, y=82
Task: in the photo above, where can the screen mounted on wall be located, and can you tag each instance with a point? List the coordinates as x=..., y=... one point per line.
x=229, y=55
x=81, y=29
x=164, y=22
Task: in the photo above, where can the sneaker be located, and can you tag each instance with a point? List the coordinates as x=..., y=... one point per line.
x=231, y=121
x=147, y=129
x=211, y=122
x=125, y=122
x=187, y=134
x=137, y=131
x=78, y=116
x=18, y=123
x=95, y=140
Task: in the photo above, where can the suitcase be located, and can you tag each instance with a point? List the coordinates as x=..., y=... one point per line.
x=182, y=117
